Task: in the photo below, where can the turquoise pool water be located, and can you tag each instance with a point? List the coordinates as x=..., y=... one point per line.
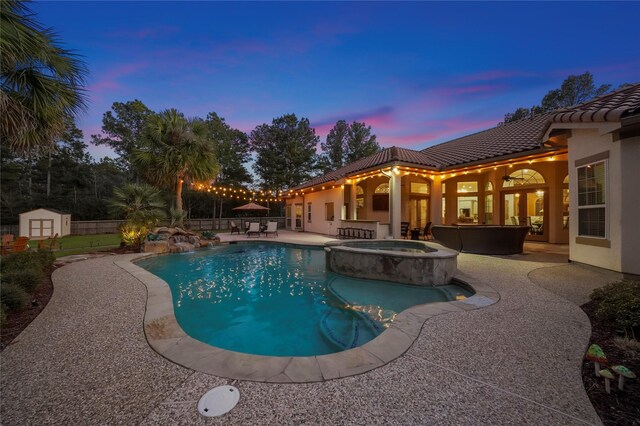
x=276, y=299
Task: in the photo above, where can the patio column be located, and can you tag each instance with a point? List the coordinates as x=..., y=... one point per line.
x=436, y=201
x=395, y=204
x=353, y=208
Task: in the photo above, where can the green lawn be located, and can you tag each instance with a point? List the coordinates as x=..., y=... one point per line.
x=78, y=244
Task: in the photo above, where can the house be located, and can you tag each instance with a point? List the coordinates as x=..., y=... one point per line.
x=570, y=175
x=39, y=224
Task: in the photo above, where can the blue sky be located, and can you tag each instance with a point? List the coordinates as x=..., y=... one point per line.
x=418, y=73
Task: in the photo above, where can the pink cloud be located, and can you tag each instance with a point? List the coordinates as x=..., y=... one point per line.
x=437, y=131
x=109, y=80
x=494, y=75
x=380, y=118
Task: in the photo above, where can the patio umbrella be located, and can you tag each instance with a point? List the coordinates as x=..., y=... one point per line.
x=251, y=206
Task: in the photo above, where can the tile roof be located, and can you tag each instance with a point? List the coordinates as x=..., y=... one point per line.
x=606, y=108
x=509, y=138
x=385, y=156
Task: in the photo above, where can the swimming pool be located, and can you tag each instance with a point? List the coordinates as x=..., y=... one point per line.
x=279, y=300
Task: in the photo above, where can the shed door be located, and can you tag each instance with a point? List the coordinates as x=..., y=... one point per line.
x=39, y=228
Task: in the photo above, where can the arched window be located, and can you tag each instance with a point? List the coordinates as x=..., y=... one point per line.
x=359, y=191
x=566, y=179
x=522, y=177
x=488, y=187
x=383, y=188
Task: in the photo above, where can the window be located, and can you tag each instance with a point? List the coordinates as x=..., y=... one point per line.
x=444, y=210
x=381, y=197
x=467, y=187
x=592, y=207
x=444, y=187
x=419, y=188
x=488, y=186
x=329, y=212
x=359, y=197
x=522, y=177
x=468, y=209
x=309, y=212
x=488, y=209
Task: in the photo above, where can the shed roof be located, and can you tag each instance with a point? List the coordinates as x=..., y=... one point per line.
x=47, y=209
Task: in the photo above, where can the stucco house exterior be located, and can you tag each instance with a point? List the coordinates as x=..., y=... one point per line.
x=571, y=175
x=44, y=223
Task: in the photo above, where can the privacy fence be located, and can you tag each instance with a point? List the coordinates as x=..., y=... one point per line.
x=92, y=227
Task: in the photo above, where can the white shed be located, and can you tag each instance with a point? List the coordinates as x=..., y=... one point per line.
x=44, y=223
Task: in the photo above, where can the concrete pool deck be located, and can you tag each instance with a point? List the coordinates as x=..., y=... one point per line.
x=85, y=359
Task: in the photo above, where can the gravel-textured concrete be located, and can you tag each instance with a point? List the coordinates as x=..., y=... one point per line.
x=85, y=360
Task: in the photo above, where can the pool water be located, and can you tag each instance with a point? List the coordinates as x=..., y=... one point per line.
x=278, y=300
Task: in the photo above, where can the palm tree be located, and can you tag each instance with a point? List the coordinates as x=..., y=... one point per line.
x=175, y=150
x=142, y=206
x=41, y=83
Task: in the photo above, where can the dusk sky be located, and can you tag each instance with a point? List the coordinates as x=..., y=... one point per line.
x=418, y=73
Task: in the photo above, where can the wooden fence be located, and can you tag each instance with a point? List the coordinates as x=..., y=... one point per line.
x=92, y=227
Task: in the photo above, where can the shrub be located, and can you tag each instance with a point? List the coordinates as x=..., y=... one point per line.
x=27, y=279
x=620, y=302
x=46, y=258
x=23, y=260
x=13, y=296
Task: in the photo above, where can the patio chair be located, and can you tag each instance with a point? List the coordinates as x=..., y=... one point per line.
x=272, y=228
x=426, y=234
x=49, y=244
x=404, y=229
x=234, y=228
x=254, y=228
x=19, y=245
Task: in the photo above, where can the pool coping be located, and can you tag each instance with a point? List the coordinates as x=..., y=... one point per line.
x=167, y=338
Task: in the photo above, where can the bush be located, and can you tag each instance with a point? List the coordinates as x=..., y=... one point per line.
x=27, y=279
x=46, y=258
x=619, y=302
x=13, y=296
x=24, y=260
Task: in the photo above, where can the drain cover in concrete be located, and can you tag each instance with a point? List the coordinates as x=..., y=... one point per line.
x=218, y=401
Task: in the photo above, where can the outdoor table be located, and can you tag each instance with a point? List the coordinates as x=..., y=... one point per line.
x=415, y=234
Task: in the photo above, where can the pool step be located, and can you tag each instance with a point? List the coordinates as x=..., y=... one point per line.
x=340, y=328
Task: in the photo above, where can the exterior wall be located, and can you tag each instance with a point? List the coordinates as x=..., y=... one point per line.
x=630, y=158
x=318, y=199
x=41, y=214
x=584, y=143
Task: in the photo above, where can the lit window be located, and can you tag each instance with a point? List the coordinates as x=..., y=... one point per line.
x=592, y=207
x=522, y=177
x=359, y=197
x=383, y=188
x=419, y=187
x=488, y=187
x=464, y=187
x=488, y=209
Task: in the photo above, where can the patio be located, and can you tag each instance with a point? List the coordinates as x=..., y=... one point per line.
x=85, y=359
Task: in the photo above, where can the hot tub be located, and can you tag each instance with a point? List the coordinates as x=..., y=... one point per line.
x=408, y=262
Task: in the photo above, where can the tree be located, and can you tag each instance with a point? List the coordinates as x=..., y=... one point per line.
x=175, y=149
x=574, y=90
x=347, y=143
x=333, y=149
x=42, y=83
x=285, y=151
x=123, y=128
x=233, y=151
x=142, y=206
x=361, y=143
